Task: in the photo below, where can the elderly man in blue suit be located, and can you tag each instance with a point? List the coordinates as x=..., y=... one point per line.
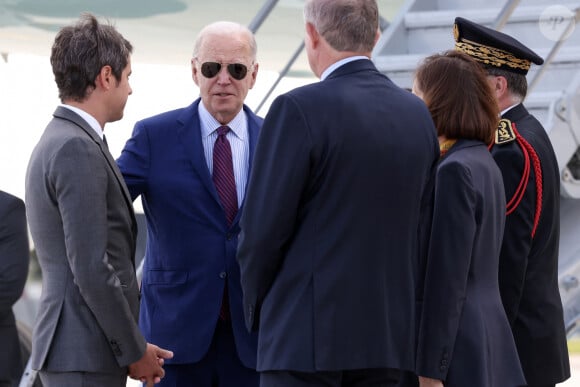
x=190, y=167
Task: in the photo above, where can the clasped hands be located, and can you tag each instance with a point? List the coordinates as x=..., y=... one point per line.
x=149, y=369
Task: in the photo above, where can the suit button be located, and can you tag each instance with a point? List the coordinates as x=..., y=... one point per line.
x=229, y=237
x=444, y=362
x=223, y=275
x=116, y=349
x=442, y=368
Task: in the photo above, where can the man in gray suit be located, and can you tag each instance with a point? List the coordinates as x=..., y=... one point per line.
x=82, y=223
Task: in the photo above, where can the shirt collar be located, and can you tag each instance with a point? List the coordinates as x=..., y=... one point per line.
x=209, y=124
x=92, y=121
x=508, y=109
x=341, y=62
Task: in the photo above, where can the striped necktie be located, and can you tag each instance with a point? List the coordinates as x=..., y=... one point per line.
x=223, y=174
x=225, y=184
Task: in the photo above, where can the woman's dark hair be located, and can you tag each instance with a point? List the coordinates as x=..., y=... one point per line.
x=458, y=95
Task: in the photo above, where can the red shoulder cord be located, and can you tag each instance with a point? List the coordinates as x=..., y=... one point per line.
x=528, y=151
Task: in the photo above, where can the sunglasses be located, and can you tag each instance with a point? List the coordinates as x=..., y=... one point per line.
x=238, y=71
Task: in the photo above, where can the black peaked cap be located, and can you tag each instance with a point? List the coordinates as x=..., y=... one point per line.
x=493, y=48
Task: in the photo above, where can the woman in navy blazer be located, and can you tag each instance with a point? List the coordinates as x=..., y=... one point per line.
x=464, y=336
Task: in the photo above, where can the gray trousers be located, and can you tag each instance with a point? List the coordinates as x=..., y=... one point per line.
x=82, y=379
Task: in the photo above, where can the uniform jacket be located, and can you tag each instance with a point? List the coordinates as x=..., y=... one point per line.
x=331, y=231
x=528, y=270
x=190, y=248
x=82, y=223
x=464, y=335
x=14, y=257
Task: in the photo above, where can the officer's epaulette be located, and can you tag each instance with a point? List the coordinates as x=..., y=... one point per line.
x=504, y=133
x=507, y=132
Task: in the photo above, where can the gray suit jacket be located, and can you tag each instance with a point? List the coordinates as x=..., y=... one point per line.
x=83, y=227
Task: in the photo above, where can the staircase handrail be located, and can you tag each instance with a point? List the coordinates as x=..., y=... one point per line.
x=504, y=15
x=555, y=49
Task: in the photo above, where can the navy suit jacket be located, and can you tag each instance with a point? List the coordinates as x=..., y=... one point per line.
x=331, y=230
x=190, y=248
x=14, y=257
x=464, y=336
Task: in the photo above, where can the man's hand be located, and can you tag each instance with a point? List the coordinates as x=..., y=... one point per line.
x=149, y=369
x=428, y=382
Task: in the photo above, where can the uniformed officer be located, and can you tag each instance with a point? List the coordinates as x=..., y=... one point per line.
x=528, y=271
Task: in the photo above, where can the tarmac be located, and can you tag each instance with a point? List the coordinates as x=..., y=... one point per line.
x=574, y=380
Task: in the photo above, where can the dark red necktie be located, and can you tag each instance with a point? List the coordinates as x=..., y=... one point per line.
x=223, y=174
x=225, y=184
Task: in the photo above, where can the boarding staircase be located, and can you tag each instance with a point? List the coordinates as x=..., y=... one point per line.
x=424, y=27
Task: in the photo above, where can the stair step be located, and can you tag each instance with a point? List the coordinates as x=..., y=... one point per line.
x=485, y=15
x=471, y=4
x=431, y=31
x=567, y=55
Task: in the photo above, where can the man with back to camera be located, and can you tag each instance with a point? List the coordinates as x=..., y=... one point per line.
x=14, y=259
x=528, y=268
x=82, y=223
x=190, y=168
x=332, y=229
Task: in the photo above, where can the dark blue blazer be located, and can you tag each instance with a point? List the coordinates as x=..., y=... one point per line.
x=464, y=337
x=14, y=257
x=331, y=230
x=190, y=248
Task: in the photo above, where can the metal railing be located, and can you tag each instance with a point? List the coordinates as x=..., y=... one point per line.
x=555, y=48
x=504, y=15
